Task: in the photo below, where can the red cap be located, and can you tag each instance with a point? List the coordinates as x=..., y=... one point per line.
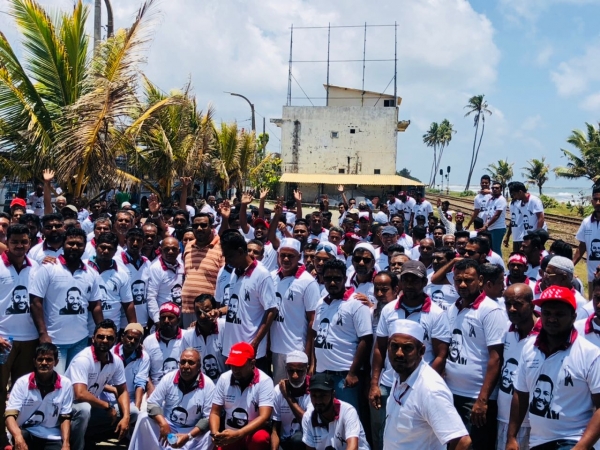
x=18, y=202
x=260, y=221
x=352, y=236
x=170, y=307
x=557, y=294
x=401, y=193
x=239, y=354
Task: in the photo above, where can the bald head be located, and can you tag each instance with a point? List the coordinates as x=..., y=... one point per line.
x=518, y=301
x=169, y=249
x=519, y=290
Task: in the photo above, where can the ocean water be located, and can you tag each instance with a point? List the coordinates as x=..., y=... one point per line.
x=559, y=193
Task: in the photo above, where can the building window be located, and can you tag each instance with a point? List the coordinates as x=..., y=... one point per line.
x=388, y=102
x=377, y=171
x=341, y=170
x=334, y=134
x=352, y=130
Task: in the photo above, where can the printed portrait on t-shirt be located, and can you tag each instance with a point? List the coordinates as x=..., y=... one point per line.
x=20, y=301
x=295, y=426
x=526, y=225
x=322, y=332
x=34, y=420
x=456, y=347
x=226, y=295
x=278, y=315
x=541, y=401
x=239, y=418
x=210, y=367
x=178, y=416
x=169, y=365
x=595, y=250
x=74, y=302
x=104, y=299
x=439, y=298
x=232, y=310
x=506, y=375
x=513, y=220
x=176, y=294
x=93, y=388
x=138, y=292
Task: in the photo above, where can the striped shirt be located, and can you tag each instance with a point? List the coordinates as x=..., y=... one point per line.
x=201, y=265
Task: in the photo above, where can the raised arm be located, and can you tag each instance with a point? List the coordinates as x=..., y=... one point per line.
x=225, y=210
x=272, y=233
x=246, y=200
x=341, y=191
x=48, y=175
x=261, y=205
x=298, y=198
x=185, y=183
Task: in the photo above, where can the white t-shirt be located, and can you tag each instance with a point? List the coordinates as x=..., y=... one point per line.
x=480, y=202
x=39, y=251
x=513, y=346
x=165, y=282
x=443, y=295
x=87, y=369
x=527, y=214
x=40, y=416
x=395, y=206
x=589, y=233
x=137, y=369
x=474, y=329
x=516, y=224
x=66, y=298
x=241, y=408
x=495, y=258
x=421, y=413
x=283, y=413
x=197, y=403
x=421, y=209
x=494, y=205
x=15, y=316
x=210, y=349
x=585, y=311
x=252, y=294
x=405, y=241
x=561, y=401
x=36, y=203
x=138, y=285
x=323, y=236
x=339, y=325
x=431, y=317
x=587, y=329
x=296, y=295
x=164, y=356
x=87, y=225
x=270, y=257
x=223, y=285
x=344, y=426
x=407, y=207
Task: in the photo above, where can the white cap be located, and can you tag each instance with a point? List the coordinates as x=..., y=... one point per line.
x=380, y=217
x=124, y=204
x=290, y=243
x=366, y=246
x=296, y=357
x=562, y=263
x=363, y=215
x=408, y=327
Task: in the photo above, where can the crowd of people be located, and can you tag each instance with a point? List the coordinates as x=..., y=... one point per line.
x=225, y=325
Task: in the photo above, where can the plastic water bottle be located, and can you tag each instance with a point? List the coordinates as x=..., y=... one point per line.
x=4, y=354
x=172, y=438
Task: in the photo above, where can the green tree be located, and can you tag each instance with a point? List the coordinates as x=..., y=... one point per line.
x=479, y=108
x=432, y=139
x=501, y=172
x=406, y=174
x=587, y=163
x=537, y=173
x=445, y=132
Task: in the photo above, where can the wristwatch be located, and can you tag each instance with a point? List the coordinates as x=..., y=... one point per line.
x=190, y=437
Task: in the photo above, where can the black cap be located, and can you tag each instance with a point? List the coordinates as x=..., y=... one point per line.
x=321, y=381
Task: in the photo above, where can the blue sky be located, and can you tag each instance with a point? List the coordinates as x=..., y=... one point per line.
x=537, y=62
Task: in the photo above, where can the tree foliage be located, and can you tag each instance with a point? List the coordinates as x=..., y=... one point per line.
x=585, y=163
x=537, y=173
x=501, y=172
x=478, y=107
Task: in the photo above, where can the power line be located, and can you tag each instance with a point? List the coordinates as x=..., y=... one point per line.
x=302, y=90
x=343, y=26
x=341, y=60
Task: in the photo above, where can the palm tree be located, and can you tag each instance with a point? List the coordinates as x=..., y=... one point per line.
x=501, y=173
x=479, y=107
x=432, y=139
x=537, y=172
x=587, y=164
x=445, y=132
x=225, y=156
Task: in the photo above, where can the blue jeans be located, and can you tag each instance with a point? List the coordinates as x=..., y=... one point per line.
x=497, y=236
x=345, y=394
x=378, y=418
x=561, y=444
x=66, y=353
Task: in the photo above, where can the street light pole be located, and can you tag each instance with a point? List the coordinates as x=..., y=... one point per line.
x=251, y=108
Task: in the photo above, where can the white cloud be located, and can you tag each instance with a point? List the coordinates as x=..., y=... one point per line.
x=532, y=123
x=591, y=103
x=574, y=76
x=544, y=55
x=531, y=9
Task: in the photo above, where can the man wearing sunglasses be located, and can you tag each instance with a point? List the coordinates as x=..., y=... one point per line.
x=202, y=259
x=96, y=366
x=364, y=257
x=52, y=229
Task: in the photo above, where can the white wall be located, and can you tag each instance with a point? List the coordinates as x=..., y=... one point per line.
x=353, y=97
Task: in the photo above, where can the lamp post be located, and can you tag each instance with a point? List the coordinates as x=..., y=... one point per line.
x=251, y=108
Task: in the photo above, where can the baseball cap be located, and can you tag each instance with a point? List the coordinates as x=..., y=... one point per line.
x=389, y=230
x=321, y=382
x=352, y=236
x=71, y=207
x=239, y=354
x=18, y=202
x=260, y=221
x=557, y=294
x=414, y=267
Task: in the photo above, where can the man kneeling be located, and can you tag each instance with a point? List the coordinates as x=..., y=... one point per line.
x=38, y=413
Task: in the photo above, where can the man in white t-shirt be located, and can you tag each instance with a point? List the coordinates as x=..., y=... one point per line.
x=290, y=401
x=92, y=369
x=516, y=224
x=531, y=208
x=344, y=334
x=243, y=399
x=420, y=407
x=407, y=206
x=518, y=299
x=297, y=294
x=394, y=205
x=53, y=230
x=444, y=293
x=478, y=326
x=35, y=200
x=165, y=278
x=495, y=217
x=421, y=207
x=481, y=200
x=38, y=414
x=558, y=380
x=62, y=295
x=330, y=423
x=252, y=297
x=588, y=236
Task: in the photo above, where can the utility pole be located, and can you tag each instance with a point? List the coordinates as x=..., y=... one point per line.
x=251, y=109
x=110, y=25
x=97, y=23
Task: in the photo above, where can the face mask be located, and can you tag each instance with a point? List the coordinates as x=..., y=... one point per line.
x=299, y=384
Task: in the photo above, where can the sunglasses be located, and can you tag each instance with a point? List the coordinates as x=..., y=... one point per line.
x=203, y=225
x=358, y=259
x=333, y=279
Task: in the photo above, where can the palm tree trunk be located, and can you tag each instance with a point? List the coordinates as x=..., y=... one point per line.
x=471, y=166
x=432, y=169
x=434, y=166
x=478, y=145
x=540, y=189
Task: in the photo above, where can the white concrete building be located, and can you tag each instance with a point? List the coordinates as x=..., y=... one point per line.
x=355, y=134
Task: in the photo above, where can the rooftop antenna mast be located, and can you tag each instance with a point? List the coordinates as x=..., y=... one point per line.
x=289, y=93
x=395, y=63
x=362, y=96
x=328, y=44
